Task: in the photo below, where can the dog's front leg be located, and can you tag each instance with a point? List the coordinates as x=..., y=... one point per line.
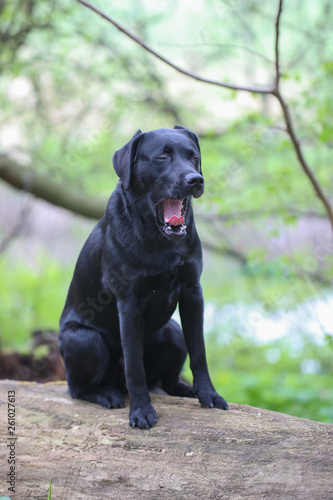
x=191, y=313
x=142, y=413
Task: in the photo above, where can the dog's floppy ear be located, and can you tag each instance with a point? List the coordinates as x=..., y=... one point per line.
x=193, y=136
x=123, y=159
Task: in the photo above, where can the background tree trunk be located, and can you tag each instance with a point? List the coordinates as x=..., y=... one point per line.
x=192, y=453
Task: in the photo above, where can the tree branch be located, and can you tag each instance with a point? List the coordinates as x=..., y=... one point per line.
x=299, y=153
x=228, y=252
x=43, y=187
x=257, y=90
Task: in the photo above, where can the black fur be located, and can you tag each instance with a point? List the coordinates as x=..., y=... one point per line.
x=133, y=270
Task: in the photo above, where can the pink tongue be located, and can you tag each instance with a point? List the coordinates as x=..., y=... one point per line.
x=175, y=221
x=172, y=212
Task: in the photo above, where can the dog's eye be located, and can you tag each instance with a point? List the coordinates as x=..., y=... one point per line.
x=162, y=158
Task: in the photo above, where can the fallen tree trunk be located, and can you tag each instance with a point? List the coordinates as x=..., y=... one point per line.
x=192, y=453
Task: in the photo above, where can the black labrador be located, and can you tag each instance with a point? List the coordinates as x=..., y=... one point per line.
x=142, y=259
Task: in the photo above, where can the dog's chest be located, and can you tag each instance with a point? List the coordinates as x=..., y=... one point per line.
x=158, y=296
x=164, y=286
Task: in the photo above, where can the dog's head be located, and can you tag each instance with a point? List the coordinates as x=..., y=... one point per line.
x=165, y=166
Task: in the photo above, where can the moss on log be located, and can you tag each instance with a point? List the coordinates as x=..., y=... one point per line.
x=91, y=452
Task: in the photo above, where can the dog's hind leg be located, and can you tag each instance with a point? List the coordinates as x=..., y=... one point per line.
x=93, y=368
x=164, y=356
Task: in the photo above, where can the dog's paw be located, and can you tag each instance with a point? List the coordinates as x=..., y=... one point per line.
x=185, y=390
x=212, y=399
x=182, y=390
x=109, y=397
x=143, y=417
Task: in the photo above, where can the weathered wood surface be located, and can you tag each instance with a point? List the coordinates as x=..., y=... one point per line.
x=192, y=453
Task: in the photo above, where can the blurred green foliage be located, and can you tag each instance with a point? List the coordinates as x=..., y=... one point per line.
x=73, y=90
x=31, y=298
x=275, y=377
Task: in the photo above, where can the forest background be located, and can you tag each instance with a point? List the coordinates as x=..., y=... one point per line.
x=74, y=88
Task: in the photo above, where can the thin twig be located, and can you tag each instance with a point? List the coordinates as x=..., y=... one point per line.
x=259, y=213
x=256, y=90
x=18, y=227
x=220, y=46
x=277, y=39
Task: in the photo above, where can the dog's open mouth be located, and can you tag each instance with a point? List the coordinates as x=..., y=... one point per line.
x=171, y=216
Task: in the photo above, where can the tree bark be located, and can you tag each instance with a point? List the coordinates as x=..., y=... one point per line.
x=90, y=452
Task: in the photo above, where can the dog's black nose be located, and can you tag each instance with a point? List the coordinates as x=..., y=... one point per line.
x=195, y=180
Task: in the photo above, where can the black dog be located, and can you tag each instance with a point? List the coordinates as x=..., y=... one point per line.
x=141, y=260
